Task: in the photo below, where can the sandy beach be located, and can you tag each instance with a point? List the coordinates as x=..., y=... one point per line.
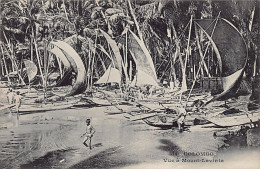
x=52, y=140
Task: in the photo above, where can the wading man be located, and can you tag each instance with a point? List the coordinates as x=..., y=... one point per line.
x=88, y=134
x=10, y=96
x=18, y=101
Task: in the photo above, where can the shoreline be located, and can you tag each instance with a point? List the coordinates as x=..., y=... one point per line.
x=52, y=139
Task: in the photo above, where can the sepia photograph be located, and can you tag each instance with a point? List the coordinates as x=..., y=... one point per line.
x=129, y=84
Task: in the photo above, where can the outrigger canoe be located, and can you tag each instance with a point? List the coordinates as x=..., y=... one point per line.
x=42, y=107
x=236, y=120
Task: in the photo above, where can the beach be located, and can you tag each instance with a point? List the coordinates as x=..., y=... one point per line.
x=52, y=140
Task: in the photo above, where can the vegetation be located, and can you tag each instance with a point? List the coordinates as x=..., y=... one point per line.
x=29, y=25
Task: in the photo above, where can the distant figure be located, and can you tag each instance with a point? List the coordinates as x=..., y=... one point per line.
x=177, y=83
x=196, y=105
x=151, y=90
x=140, y=94
x=165, y=83
x=10, y=96
x=18, y=101
x=89, y=134
x=181, y=116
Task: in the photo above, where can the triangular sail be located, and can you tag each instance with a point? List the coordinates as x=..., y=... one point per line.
x=31, y=69
x=111, y=75
x=116, y=57
x=143, y=60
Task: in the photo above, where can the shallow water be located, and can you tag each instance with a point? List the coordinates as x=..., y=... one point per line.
x=52, y=140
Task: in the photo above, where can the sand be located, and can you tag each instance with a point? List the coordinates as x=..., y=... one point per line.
x=52, y=140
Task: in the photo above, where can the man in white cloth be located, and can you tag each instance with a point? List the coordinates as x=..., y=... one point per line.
x=181, y=116
x=18, y=101
x=10, y=96
x=88, y=134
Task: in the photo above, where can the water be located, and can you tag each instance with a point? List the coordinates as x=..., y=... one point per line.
x=52, y=140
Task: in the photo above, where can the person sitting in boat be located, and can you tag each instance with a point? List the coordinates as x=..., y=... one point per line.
x=18, y=101
x=151, y=90
x=140, y=94
x=196, y=106
x=165, y=83
x=177, y=83
x=10, y=96
x=181, y=117
x=89, y=133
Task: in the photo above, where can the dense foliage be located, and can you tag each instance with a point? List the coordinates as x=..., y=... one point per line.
x=161, y=24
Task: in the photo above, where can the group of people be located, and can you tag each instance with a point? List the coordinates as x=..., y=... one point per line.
x=14, y=98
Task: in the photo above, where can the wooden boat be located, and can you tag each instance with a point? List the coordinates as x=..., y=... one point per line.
x=6, y=106
x=42, y=107
x=163, y=122
x=235, y=119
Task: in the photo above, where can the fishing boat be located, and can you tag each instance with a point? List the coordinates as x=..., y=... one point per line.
x=162, y=121
x=42, y=107
x=236, y=119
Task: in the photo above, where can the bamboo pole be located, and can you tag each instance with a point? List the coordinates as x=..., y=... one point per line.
x=126, y=62
x=31, y=45
x=93, y=60
x=184, y=80
x=130, y=70
x=124, y=65
x=8, y=78
x=38, y=59
x=14, y=65
x=60, y=68
x=200, y=52
x=45, y=68
x=200, y=65
x=135, y=21
x=96, y=68
x=2, y=67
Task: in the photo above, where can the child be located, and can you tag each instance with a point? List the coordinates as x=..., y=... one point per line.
x=89, y=133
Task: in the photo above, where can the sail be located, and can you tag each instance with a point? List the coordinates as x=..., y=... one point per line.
x=31, y=69
x=116, y=57
x=233, y=51
x=111, y=75
x=80, y=83
x=59, y=54
x=66, y=66
x=143, y=60
x=142, y=78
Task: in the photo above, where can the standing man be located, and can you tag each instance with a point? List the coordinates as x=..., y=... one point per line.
x=18, y=101
x=10, y=96
x=89, y=133
x=181, y=116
